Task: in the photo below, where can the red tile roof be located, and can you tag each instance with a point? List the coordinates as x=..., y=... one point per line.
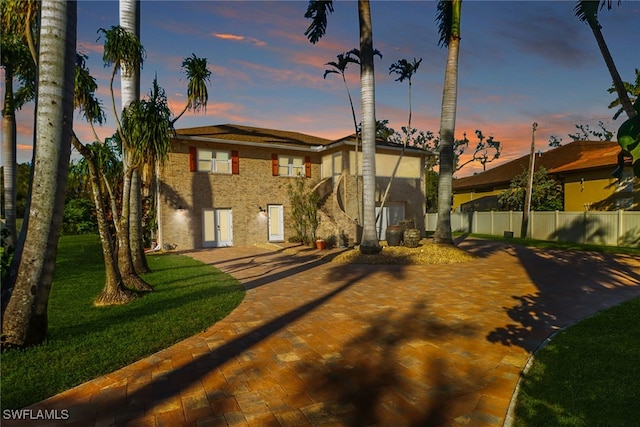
x=578, y=155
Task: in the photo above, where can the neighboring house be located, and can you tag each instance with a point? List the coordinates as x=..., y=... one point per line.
x=227, y=185
x=584, y=168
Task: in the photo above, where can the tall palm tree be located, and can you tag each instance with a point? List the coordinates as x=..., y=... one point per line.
x=18, y=22
x=25, y=318
x=587, y=11
x=629, y=140
x=123, y=49
x=448, y=18
x=114, y=291
x=130, y=92
x=340, y=67
x=405, y=71
x=317, y=11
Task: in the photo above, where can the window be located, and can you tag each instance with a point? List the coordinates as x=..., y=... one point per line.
x=216, y=161
x=290, y=165
x=286, y=165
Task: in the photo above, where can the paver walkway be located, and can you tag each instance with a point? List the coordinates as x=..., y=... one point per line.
x=318, y=343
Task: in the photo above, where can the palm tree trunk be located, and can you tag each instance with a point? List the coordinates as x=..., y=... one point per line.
x=9, y=137
x=125, y=260
x=139, y=258
x=447, y=129
x=369, y=242
x=130, y=84
x=25, y=319
x=114, y=291
x=627, y=106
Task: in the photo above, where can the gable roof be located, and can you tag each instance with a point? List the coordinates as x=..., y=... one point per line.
x=573, y=157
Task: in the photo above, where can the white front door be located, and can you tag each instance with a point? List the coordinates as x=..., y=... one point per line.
x=217, y=228
x=276, y=222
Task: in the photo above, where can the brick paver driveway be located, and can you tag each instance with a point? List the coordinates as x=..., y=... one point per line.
x=318, y=343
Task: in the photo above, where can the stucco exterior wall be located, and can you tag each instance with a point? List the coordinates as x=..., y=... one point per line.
x=598, y=190
x=468, y=196
x=185, y=195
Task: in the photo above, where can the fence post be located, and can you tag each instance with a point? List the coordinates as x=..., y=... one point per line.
x=620, y=226
x=556, y=219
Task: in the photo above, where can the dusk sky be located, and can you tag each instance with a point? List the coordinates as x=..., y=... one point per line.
x=520, y=62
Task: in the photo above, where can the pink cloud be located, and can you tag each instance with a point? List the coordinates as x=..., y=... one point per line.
x=238, y=38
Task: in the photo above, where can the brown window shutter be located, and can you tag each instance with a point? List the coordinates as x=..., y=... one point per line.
x=235, y=163
x=274, y=165
x=192, y=159
x=307, y=166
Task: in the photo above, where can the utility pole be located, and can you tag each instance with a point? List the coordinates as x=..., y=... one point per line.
x=527, y=200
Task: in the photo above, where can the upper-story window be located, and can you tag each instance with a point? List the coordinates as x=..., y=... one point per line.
x=216, y=161
x=288, y=165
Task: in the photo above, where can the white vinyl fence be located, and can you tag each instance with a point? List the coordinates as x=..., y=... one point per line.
x=618, y=228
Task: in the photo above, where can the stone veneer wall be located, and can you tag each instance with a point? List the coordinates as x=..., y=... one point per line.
x=244, y=193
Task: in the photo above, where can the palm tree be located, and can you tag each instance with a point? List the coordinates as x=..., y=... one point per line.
x=448, y=17
x=130, y=92
x=123, y=49
x=587, y=11
x=18, y=22
x=114, y=291
x=405, y=71
x=344, y=59
x=148, y=125
x=317, y=11
x=198, y=74
x=25, y=319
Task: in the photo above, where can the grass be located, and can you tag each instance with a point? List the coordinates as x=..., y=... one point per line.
x=85, y=342
x=426, y=253
x=569, y=246
x=587, y=375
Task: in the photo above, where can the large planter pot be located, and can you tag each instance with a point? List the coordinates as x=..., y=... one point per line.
x=411, y=237
x=394, y=235
x=320, y=244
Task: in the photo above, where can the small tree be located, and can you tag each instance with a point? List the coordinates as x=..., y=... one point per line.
x=546, y=195
x=304, y=210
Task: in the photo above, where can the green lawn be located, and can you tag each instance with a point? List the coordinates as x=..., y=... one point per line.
x=85, y=341
x=588, y=375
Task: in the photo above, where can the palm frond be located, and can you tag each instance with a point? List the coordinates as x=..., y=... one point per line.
x=317, y=11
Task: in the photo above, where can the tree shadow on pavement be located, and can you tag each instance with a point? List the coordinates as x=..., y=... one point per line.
x=570, y=285
x=394, y=373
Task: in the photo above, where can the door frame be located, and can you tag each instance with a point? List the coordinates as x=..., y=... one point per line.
x=279, y=209
x=217, y=242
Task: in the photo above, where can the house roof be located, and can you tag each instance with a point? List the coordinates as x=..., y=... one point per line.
x=573, y=157
x=248, y=135
x=240, y=133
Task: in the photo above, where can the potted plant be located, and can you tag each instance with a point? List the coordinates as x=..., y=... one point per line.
x=320, y=244
x=331, y=241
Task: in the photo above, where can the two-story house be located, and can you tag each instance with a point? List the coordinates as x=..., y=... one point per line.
x=227, y=185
